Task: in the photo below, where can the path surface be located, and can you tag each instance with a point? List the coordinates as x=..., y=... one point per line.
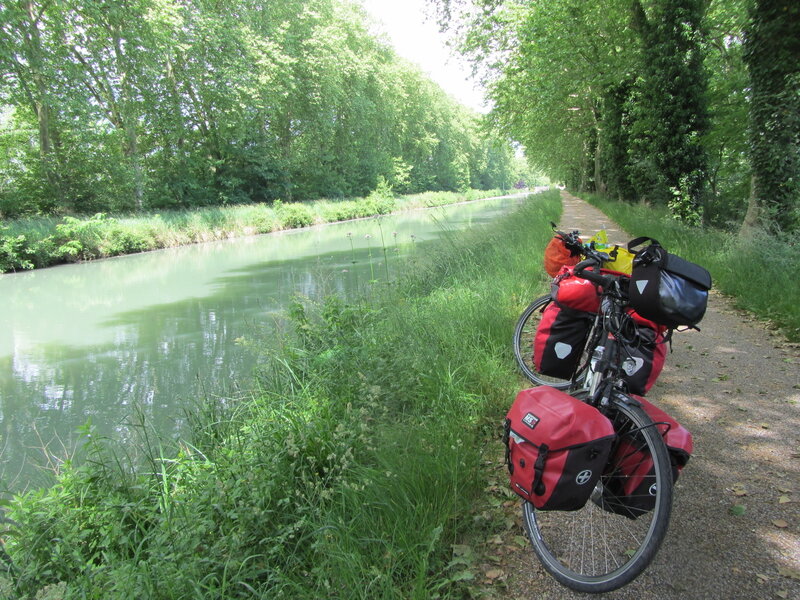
x=736, y=386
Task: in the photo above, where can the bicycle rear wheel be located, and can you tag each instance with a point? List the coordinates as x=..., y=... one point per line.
x=524, y=333
x=611, y=540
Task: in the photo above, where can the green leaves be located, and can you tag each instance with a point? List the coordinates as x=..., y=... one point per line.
x=162, y=103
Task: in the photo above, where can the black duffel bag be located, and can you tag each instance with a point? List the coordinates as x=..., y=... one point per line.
x=666, y=288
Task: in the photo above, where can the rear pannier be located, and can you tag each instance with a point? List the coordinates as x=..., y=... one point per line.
x=556, y=448
x=630, y=491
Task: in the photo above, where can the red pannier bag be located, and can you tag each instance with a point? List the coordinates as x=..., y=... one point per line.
x=559, y=340
x=556, y=255
x=631, y=490
x=556, y=448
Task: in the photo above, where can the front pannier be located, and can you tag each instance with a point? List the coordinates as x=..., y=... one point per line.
x=556, y=448
x=557, y=255
x=643, y=359
x=559, y=340
x=666, y=288
x=644, y=355
x=630, y=490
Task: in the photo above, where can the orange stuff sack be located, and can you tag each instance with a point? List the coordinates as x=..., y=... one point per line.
x=556, y=255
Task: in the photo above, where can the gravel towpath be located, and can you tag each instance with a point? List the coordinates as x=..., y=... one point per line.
x=735, y=528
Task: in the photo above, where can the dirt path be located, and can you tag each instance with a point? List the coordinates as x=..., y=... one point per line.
x=736, y=386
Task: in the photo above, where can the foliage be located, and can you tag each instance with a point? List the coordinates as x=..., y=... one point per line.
x=350, y=473
x=14, y=253
x=164, y=104
x=669, y=116
x=293, y=215
x=645, y=99
x=771, y=51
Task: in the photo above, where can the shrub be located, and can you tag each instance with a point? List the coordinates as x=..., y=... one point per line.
x=14, y=252
x=295, y=215
x=81, y=239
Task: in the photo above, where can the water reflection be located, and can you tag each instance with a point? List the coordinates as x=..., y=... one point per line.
x=157, y=331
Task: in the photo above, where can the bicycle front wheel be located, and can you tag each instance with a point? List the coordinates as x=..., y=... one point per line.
x=524, y=333
x=610, y=541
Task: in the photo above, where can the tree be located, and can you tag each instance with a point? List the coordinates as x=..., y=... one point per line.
x=670, y=113
x=772, y=54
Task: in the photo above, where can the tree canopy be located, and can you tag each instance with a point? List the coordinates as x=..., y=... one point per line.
x=678, y=102
x=110, y=105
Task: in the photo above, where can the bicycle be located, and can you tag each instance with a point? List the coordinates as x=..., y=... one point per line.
x=606, y=544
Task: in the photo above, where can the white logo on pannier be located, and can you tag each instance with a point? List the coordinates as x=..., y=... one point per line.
x=584, y=477
x=531, y=420
x=632, y=365
x=562, y=349
x=641, y=284
x=653, y=489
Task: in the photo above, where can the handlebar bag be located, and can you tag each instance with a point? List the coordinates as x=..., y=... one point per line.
x=559, y=340
x=666, y=288
x=630, y=490
x=557, y=255
x=556, y=448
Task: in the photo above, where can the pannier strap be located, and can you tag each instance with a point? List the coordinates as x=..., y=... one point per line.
x=506, y=436
x=538, y=471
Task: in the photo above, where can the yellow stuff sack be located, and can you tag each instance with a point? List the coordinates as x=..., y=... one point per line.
x=622, y=261
x=621, y=258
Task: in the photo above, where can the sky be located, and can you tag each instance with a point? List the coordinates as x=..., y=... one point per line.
x=417, y=38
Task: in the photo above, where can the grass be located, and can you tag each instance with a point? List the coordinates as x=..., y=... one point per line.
x=353, y=471
x=46, y=241
x=758, y=273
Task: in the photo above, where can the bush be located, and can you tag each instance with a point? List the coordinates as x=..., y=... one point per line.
x=294, y=215
x=14, y=252
x=81, y=239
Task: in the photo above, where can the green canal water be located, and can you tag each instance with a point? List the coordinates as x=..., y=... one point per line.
x=143, y=337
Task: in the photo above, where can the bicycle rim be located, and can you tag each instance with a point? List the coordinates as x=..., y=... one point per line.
x=611, y=540
x=524, y=333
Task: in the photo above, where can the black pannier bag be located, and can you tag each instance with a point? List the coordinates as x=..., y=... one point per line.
x=666, y=288
x=560, y=337
x=630, y=490
x=556, y=448
x=643, y=359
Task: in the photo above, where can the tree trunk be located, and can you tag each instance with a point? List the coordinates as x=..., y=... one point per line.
x=41, y=103
x=751, y=221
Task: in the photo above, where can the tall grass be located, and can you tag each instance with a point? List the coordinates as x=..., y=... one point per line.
x=351, y=472
x=758, y=273
x=45, y=241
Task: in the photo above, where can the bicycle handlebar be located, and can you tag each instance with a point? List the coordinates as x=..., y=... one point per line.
x=604, y=281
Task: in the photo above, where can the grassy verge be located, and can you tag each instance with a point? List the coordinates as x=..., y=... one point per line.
x=43, y=242
x=760, y=273
x=353, y=472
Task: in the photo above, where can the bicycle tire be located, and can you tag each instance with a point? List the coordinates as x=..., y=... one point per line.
x=524, y=333
x=596, y=549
